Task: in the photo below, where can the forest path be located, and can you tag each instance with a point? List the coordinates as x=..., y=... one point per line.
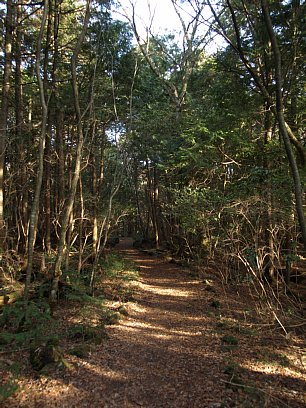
x=168, y=352
x=165, y=353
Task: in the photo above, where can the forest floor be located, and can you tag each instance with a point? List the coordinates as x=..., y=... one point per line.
x=186, y=342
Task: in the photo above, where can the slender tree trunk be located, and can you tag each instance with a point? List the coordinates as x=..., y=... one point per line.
x=81, y=226
x=70, y=229
x=97, y=180
x=136, y=191
x=4, y=109
x=152, y=211
x=156, y=208
x=77, y=169
x=268, y=264
x=298, y=191
x=47, y=191
x=95, y=204
x=21, y=202
x=60, y=182
x=35, y=205
x=47, y=156
x=58, y=121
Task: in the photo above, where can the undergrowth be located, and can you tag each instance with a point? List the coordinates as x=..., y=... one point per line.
x=115, y=266
x=34, y=328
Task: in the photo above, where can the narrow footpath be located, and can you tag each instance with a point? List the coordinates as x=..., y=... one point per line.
x=165, y=353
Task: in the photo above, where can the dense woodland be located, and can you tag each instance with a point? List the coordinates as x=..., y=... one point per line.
x=105, y=134
x=102, y=136
x=196, y=152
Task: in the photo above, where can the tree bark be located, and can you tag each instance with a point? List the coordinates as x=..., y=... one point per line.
x=81, y=226
x=6, y=84
x=269, y=254
x=21, y=198
x=78, y=158
x=47, y=154
x=35, y=205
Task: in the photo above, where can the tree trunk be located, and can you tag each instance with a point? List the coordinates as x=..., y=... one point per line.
x=269, y=255
x=78, y=158
x=47, y=156
x=35, y=205
x=21, y=199
x=105, y=228
x=152, y=209
x=81, y=226
x=60, y=182
x=137, y=200
x=47, y=191
x=4, y=110
x=95, y=204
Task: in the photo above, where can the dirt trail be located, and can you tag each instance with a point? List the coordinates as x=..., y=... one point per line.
x=166, y=353
x=167, y=356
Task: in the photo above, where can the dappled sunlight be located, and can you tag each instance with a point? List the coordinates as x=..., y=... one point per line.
x=151, y=330
x=106, y=372
x=146, y=267
x=289, y=384
x=166, y=291
x=271, y=367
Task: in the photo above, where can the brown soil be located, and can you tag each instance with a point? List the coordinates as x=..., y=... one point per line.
x=185, y=343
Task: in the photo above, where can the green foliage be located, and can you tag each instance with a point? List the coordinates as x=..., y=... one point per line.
x=6, y=338
x=115, y=266
x=81, y=350
x=231, y=340
x=8, y=389
x=20, y=317
x=274, y=359
x=78, y=293
x=231, y=368
x=109, y=317
x=25, y=323
x=86, y=332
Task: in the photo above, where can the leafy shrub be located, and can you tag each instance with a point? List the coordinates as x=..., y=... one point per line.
x=6, y=338
x=115, y=266
x=230, y=340
x=81, y=350
x=76, y=294
x=20, y=317
x=110, y=317
x=83, y=332
x=23, y=323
